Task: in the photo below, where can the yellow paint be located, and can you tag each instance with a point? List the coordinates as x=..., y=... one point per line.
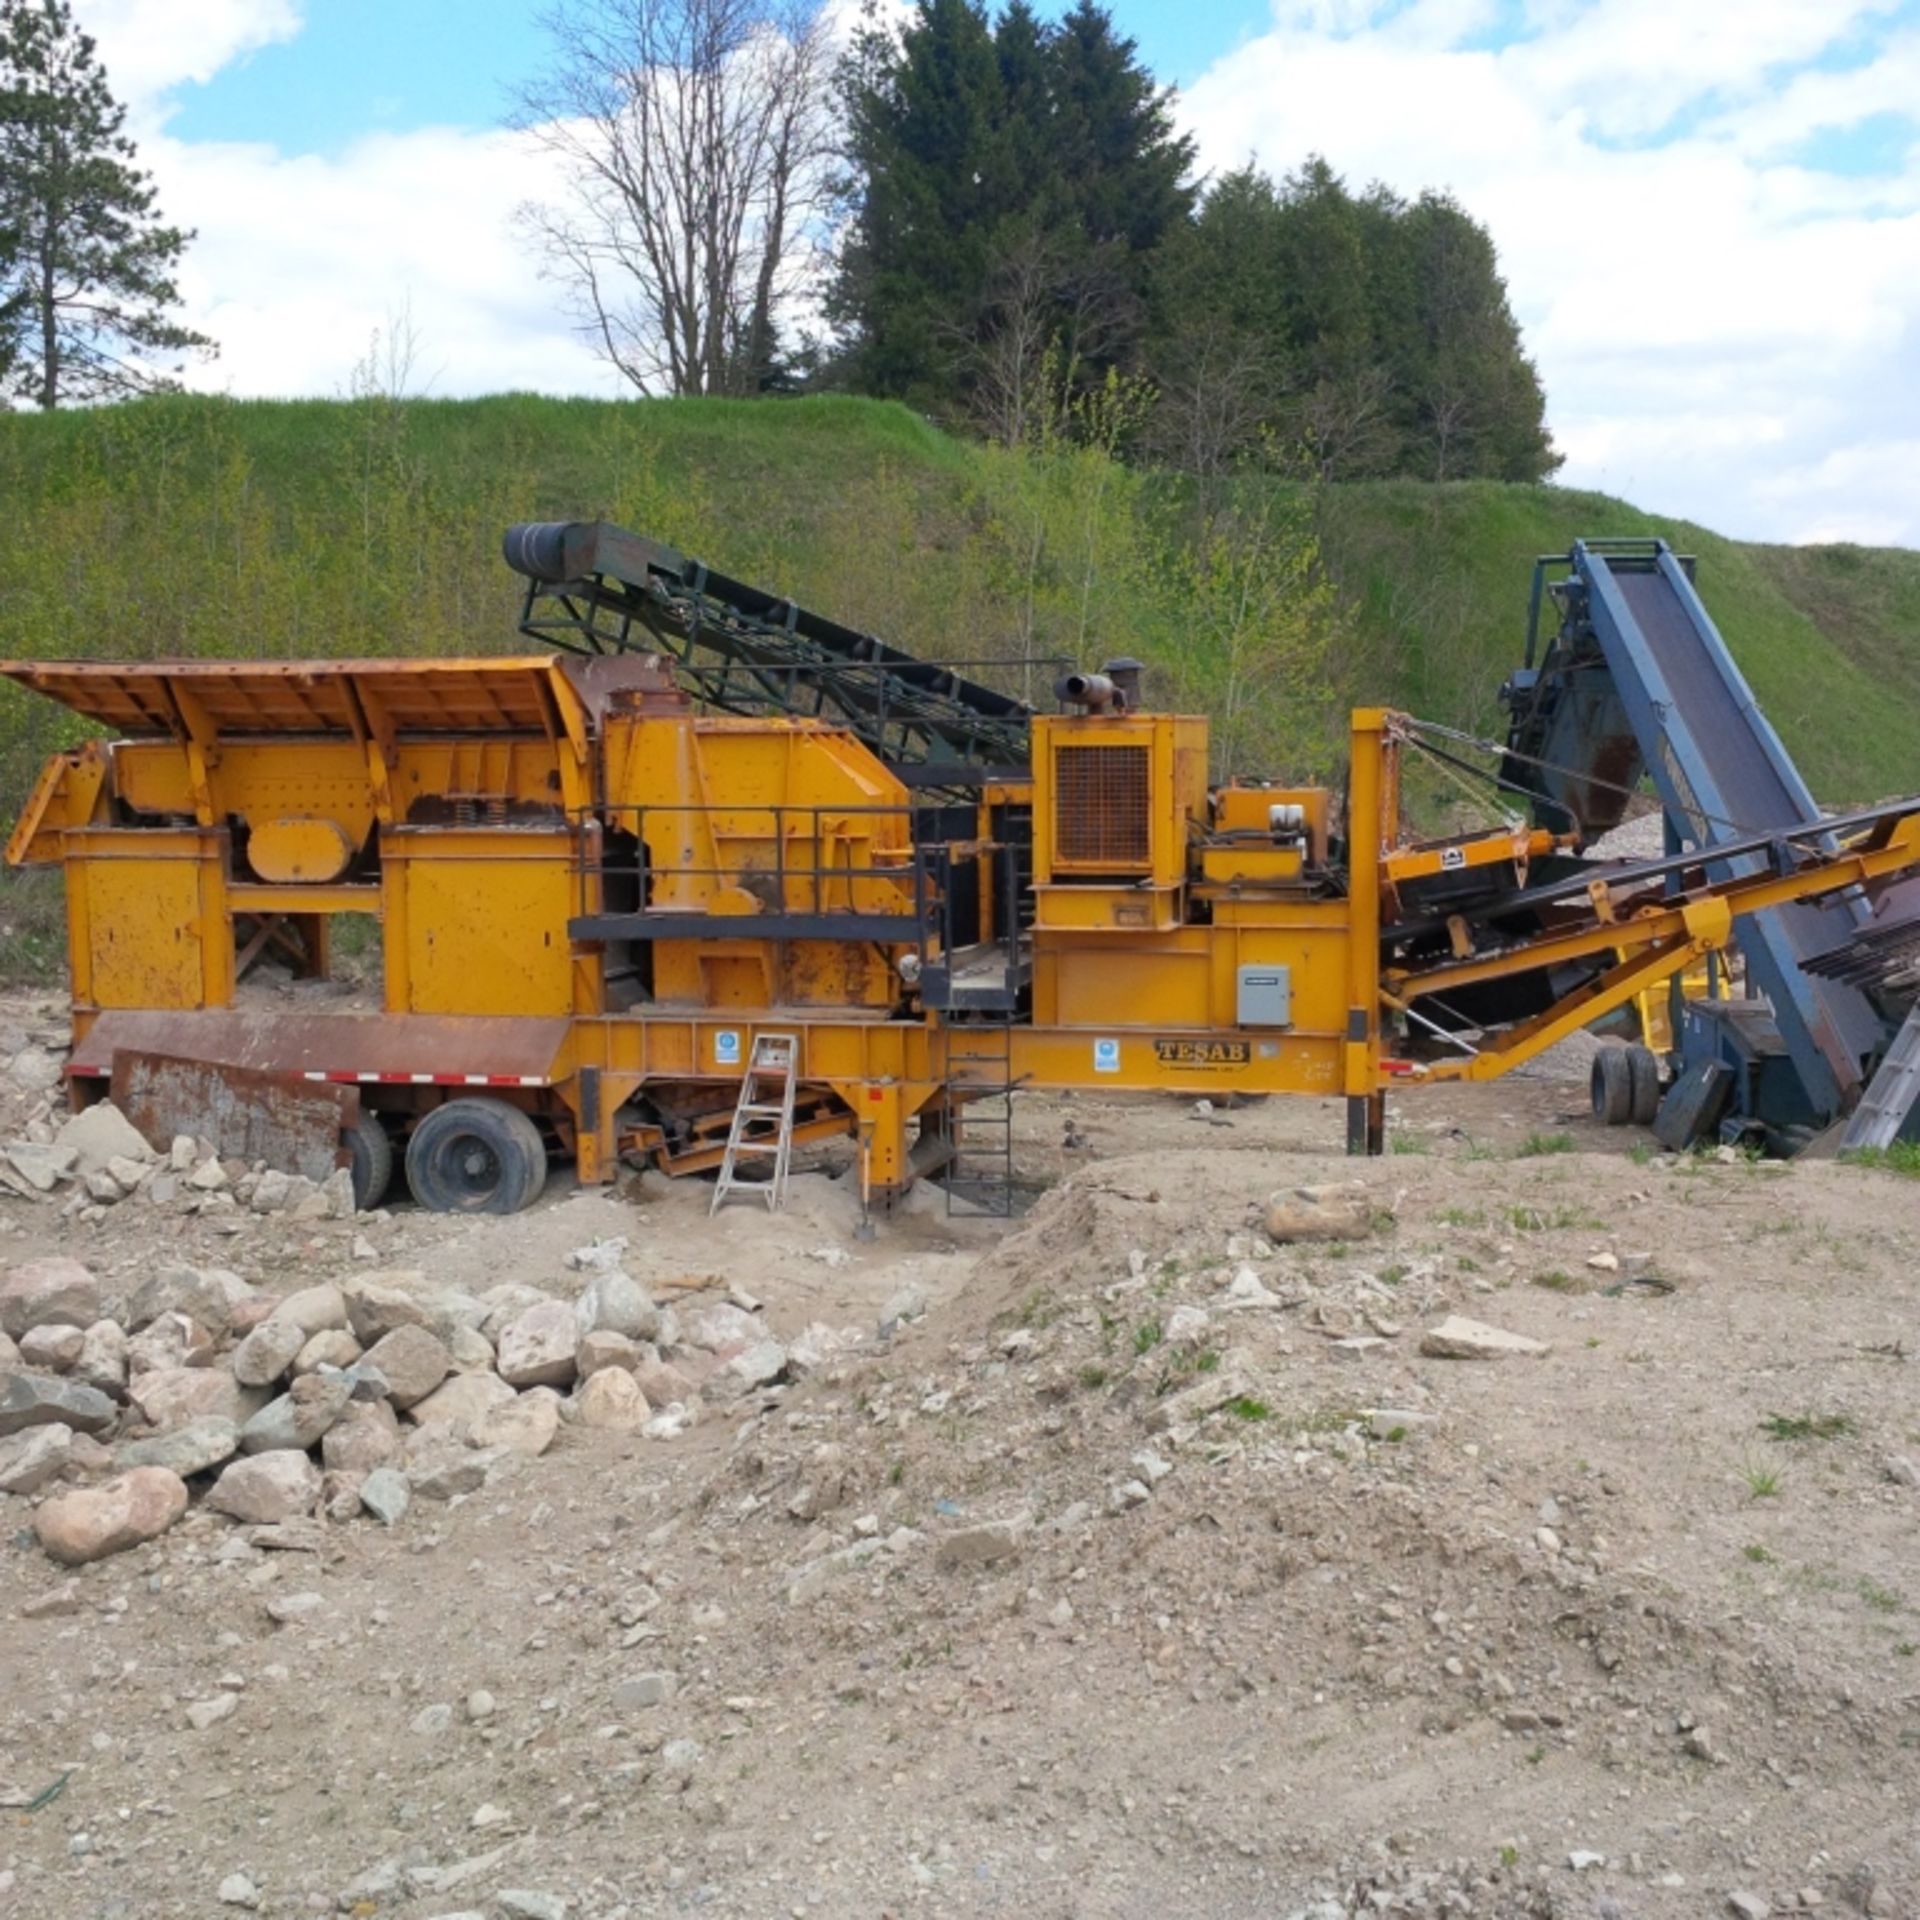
x=299, y=848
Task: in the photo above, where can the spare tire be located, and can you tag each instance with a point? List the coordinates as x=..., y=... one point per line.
x=1611, y=1087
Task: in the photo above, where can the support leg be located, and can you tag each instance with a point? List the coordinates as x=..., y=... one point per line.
x=1367, y=1123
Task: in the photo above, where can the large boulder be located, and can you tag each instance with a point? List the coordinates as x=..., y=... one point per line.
x=54, y=1292
x=170, y=1340
x=176, y=1395
x=103, y=1358
x=34, y=1459
x=321, y=1309
x=611, y=1400
x=526, y=1425
x=331, y=1347
x=99, y=1135
x=462, y=1403
x=198, y=1447
x=267, y=1488
x=538, y=1349
x=615, y=1302
x=1329, y=1212
x=366, y=1437
x=92, y=1522
x=299, y=1417
x=45, y=1400
x=414, y=1362
x=209, y=1296
x=51, y=1349
x=379, y=1302
x=267, y=1352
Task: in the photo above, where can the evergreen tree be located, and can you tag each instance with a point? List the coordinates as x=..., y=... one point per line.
x=1010, y=183
x=1376, y=333
x=86, y=267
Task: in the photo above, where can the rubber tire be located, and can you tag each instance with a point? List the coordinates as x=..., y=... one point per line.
x=371, y=1159
x=476, y=1156
x=1643, y=1082
x=1611, y=1087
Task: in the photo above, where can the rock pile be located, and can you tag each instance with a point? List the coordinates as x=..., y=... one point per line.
x=95, y=1160
x=336, y=1400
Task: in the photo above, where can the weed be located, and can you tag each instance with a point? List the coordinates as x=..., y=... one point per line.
x=1641, y=1154
x=1557, y=1281
x=1463, y=1217
x=896, y=1473
x=1392, y=1276
x=1902, y=1157
x=1535, y=1755
x=1509, y=1856
x=1525, y=1219
x=1093, y=1378
x=1409, y=1143
x=1880, y=1599
x=1906, y=1649
x=1537, y=1144
x=1758, y=1554
x=1806, y=1426
x=1244, y=1406
x=1041, y=1308
x=1762, y=1478
x=1207, y=1360
x=1148, y=1335
x=1467, y=1265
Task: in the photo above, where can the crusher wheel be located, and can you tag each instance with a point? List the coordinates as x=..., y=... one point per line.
x=476, y=1156
x=370, y=1154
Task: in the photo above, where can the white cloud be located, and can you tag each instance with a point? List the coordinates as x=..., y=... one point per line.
x=300, y=260
x=151, y=46
x=1724, y=334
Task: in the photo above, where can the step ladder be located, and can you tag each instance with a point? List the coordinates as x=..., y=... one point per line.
x=979, y=1177
x=762, y=1122
x=1890, y=1094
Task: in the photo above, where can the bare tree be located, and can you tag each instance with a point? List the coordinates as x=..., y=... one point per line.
x=1047, y=311
x=695, y=137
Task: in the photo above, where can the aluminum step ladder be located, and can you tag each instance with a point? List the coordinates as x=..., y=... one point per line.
x=1890, y=1094
x=762, y=1122
x=979, y=1177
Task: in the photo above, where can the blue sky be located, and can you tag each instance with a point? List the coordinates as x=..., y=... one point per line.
x=357, y=65
x=1708, y=211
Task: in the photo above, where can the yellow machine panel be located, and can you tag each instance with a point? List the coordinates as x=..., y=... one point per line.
x=148, y=928
x=476, y=922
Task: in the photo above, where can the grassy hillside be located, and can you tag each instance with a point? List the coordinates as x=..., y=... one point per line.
x=208, y=528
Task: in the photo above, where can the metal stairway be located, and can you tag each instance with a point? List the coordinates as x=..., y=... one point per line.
x=1891, y=1093
x=775, y=1058
x=979, y=1177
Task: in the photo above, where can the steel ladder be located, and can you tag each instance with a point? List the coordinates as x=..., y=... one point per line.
x=762, y=1122
x=1889, y=1098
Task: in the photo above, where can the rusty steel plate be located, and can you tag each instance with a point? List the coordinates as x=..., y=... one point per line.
x=294, y=1125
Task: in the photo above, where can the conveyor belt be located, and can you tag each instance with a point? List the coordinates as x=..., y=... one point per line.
x=1724, y=775
x=597, y=588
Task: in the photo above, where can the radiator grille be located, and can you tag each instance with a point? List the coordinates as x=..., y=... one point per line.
x=1101, y=820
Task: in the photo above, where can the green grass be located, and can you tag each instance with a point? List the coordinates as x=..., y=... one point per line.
x=1902, y=1157
x=1244, y=1406
x=1806, y=1426
x=1535, y=1145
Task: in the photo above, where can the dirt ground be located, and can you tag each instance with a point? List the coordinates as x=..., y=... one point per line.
x=1288, y=1618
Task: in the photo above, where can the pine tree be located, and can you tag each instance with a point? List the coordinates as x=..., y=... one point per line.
x=86, y=267
x=1011, y=181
